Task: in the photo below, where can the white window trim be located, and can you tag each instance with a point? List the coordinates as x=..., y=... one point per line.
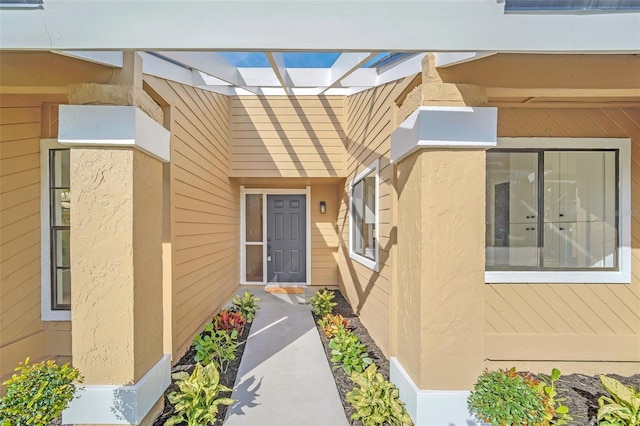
x=371, y=264
x=243, y=243
x=623, y=274
x=47, y=313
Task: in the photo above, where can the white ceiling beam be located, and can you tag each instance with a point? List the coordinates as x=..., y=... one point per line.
x=356, y=25
x=280, y=70
x=110, y=58
x=345, y=65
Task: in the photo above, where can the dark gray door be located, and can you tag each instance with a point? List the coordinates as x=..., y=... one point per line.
x=286, y=238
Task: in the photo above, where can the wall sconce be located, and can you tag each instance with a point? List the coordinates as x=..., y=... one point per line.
x=323, y=207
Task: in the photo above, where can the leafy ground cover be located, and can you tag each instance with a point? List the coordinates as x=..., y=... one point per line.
x=580, y=392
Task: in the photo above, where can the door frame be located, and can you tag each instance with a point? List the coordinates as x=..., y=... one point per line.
x=243, y=219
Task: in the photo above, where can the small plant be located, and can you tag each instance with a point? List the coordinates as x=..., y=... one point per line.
x=506, y=398
x=555, y=415
x=216, y=346
x=38, y=394
x=331, y=324
x=376, y=400
x=246, y=305
x=227, y=320
x=198, y=397
x=348, y=352
x=322, y=303
x=623, y=409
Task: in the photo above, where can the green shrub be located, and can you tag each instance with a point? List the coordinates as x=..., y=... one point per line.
x=198, y=398
x=376, y=400
x=348, y=352
x=505, y=397
x=322, y=303
x=217, y=346
x=331, y=324
x=623, y=409
x=246, y=305
x=229, y=320
x=38, y=394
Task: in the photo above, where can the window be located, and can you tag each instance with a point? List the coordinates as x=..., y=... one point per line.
x=55, y=214
x=554, y=209
x=363, y=245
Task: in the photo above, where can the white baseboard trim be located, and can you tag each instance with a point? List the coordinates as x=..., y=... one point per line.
x=120, y=405
x=431, y=407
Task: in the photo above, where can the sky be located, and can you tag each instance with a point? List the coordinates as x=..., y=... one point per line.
x=291, y=60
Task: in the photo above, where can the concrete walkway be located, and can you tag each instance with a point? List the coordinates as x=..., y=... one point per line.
x=284, y=377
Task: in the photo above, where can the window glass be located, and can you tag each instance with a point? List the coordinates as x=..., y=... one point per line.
x=363, y=205
x=253, y=230
x=572, y=224
x=59, y=212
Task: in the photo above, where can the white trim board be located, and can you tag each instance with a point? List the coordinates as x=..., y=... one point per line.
x=623, y=274
x=113, y=125
x=120, y=405
x=366, y=25
x=46, y=312
x=243, y=219
x=430, y=407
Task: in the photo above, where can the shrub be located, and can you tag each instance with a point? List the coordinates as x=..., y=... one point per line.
x=216, y=346
x=348, y=352
x=198, y=399
x=38, y=394
x=322, y=303
x=331, y=324
x=376, y=400
x=505, y=397
x=246, y=305
x=623, y=408
x=227, y=320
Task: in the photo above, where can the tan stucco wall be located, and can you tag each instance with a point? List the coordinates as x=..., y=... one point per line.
x=24, y=120
x=526, y=324
x=441, y=267
x=287, y=136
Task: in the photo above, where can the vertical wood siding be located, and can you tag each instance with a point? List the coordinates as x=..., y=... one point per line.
x=282, y=136
x=369, y=118
x=22, y=332
x=569, y=321
x=205, y=205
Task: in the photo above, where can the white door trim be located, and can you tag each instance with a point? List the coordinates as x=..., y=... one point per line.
x=243, y=218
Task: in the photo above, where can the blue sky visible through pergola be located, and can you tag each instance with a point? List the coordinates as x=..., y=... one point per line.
x=291, y=60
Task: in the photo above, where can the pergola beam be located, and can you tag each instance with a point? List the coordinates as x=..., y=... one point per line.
x=345, y=65
x=279, y=68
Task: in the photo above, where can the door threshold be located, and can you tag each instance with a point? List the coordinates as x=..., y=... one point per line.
x=267, y=285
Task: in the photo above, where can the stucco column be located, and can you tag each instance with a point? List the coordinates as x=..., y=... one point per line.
x=439, y=152
x=116, y=262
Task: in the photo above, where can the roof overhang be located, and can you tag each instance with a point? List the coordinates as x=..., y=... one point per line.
x=329, y=25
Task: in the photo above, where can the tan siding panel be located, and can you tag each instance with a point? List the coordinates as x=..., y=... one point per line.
x=369, y=115
x=204, y=208
x=588, y=315
x=287, y=137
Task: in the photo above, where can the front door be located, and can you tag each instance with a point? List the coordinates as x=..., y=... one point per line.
x=286, y=238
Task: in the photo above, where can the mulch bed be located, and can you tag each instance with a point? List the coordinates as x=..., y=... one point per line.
x=581, y=392
x=343, y=382
x=188, y=363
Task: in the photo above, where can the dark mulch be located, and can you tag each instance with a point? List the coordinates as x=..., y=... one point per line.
x=343, y=382
x=581, y=392
x=188, y=363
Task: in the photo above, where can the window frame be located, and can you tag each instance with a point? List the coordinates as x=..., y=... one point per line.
x=621, y=274
x=46, y=295
x=369, y=263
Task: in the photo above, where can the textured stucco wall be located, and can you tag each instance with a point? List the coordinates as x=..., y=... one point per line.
x=441, y=267
x=147, y=260
x=110, y=346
